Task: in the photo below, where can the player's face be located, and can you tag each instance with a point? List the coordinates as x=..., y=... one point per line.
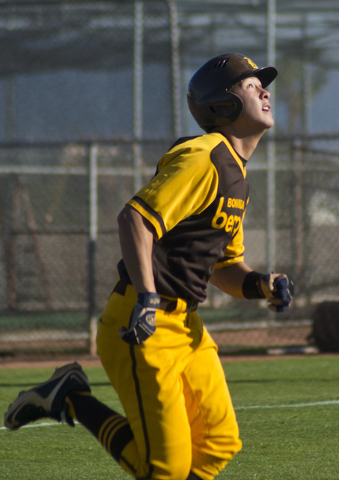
x=257, y=107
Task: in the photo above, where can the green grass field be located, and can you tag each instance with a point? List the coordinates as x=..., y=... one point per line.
x=288, y=413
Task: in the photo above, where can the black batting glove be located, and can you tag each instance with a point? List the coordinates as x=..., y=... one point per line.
x=142, y=321
x=278, y=289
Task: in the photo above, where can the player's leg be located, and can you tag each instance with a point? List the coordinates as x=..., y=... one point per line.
x=148, y=381
x=66, y=396
x=101, y=421
x=215, y=433
x=59, y=397
x=47, y=400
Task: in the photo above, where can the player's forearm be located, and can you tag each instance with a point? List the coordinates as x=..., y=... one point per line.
x=136, y=241
x=241, y=281
x=231, y=279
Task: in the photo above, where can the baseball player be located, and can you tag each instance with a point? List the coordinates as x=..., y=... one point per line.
x=183, y=229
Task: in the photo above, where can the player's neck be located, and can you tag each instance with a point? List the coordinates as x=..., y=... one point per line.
x=243, y=142
x=244, y=146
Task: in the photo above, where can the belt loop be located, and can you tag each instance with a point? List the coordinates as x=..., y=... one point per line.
x=181, y=306
x=120, y=288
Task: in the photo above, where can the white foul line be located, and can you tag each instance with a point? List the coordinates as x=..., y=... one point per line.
x=245, y=407
x=290, y=405
x=47, y=424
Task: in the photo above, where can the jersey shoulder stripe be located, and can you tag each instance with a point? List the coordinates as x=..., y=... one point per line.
x=201, y=143
x=235, y=156
x=182, y=140
x=231, y=150
x=195, y=148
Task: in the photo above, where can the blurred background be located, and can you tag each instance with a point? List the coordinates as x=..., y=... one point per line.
x=92, y=93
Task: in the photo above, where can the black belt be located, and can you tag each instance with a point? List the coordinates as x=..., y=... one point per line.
x=168, y=305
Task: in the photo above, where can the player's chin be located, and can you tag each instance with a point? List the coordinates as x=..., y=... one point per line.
x=266, y=126
x=268, y=121
x=271, y=123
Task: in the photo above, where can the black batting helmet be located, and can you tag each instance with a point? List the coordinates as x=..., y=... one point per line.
x=209, y=100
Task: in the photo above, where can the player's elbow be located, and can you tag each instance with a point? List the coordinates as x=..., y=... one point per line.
x=127, y=218
x=214, y=280
x=123, y=215
x=130, y=220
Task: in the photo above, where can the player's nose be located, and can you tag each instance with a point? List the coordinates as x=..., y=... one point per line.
x=265, y=94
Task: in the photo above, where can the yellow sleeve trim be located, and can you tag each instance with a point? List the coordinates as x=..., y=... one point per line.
x=228, y=262
x=148, y=216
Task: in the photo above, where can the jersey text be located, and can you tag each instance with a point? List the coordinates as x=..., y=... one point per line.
x=221, y=220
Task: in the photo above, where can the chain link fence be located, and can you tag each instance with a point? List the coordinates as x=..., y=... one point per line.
x=94, y=94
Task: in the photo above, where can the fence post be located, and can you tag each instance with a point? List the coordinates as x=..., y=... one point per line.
x=138, y=87
x=271, y=152
x=176, y=76
x=93, y=233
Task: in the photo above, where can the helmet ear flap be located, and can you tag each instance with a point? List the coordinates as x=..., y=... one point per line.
x=230, y=111
x=215, y=110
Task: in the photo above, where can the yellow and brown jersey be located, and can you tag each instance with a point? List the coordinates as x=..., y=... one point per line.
x=196, y=203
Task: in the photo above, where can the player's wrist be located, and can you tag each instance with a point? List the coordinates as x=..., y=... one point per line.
x=149, y=299
x=251, y=287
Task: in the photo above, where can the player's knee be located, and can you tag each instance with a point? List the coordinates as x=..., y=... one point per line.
x=156, y=470
x=175, y=470
x=218, y=452
x=226, y=451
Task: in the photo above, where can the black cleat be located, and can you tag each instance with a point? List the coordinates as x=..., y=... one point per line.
x=48, y=398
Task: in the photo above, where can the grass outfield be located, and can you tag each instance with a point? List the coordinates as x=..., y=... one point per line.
x=288, y=413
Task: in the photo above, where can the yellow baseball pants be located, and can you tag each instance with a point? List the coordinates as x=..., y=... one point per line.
x=173, y=392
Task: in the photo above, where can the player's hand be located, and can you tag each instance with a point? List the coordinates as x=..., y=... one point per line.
x=142, y=321
x=278, y=288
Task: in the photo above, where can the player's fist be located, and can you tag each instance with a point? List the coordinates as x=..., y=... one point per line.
x=142, y=321
x=278, y=289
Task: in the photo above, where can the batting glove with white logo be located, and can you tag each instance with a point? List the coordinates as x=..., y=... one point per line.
x=278, y=289
x=142, y=321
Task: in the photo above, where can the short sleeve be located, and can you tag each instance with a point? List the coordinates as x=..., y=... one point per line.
x=184, y=186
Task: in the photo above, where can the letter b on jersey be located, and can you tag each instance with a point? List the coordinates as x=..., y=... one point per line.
x=220, y=217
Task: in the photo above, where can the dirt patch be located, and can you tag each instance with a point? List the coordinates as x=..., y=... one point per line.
x=256, y=338
x=264, y=337
x=84, y=360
